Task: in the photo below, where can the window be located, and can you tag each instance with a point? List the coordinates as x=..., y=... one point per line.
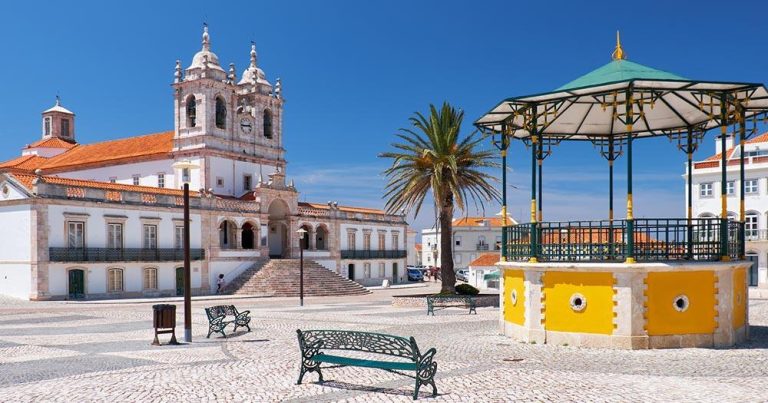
x=395, y=241
x=382, y=240
x=267, y=124
x=113, y=179
x=498, y=243
x=219, y=182
x=185, y=174
x=65, y=127
x=705, y=189
x=382, y=270
x=351, y=241
x=178, y=238
x=150, y=278
x=221, y=113
x=115, y=280
x=191, y=111
x=730, y=188
x=47, y=126
x=114, y=236
x=367, y=241
x=750, y=226
x=136, y=179
x=750, y=186
x=247, y=183
x=458, y=240
x=76, y=234
x=150, y=236
x=161, y=180
x=457, y=258
x=367, y=270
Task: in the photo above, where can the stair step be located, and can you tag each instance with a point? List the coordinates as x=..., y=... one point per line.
x=280, y=277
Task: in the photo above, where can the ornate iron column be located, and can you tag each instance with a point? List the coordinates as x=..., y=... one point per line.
x=630, y=235
x=534, y=226
x=742, y=213
x=724, y=256
x=503, y=145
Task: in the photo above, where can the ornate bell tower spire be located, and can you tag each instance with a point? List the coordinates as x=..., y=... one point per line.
x=59, y=122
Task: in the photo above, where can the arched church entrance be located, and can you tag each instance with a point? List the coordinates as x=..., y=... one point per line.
x=278, y=228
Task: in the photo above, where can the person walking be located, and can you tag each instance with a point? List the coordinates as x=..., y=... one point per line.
x=220, y=284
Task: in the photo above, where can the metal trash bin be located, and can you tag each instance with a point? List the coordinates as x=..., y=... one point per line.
x=164, y=321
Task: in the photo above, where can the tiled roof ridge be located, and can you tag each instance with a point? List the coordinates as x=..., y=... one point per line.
x=763, y=138
x=26, y=179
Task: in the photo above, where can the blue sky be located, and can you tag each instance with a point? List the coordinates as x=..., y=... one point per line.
x=353, y=72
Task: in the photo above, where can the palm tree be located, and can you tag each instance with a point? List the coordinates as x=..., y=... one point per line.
x=433, y=157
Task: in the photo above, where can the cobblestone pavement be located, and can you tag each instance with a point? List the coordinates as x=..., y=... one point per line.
x=78, y=352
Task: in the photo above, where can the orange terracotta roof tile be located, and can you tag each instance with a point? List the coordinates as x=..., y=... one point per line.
x=114, y=151
x=24, y=163
x=486, y=259
x=26, y=180
x=759, y=139
x=53, y=142
x=478, y=221
x=324, y=206
x=418, y=247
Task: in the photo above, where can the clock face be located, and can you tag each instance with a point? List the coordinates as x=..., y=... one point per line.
x=246, y=125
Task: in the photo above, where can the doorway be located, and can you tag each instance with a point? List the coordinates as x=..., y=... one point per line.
x=179, y=281
x=394, y=273
x=76, y=284
x=752, y=273
x=351, y=271
x=278, y=228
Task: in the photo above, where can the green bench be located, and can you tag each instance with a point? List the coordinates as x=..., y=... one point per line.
x=315, y=343
x=217, y=319
x=446, y=301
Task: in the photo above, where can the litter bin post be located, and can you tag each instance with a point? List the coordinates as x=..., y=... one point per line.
x=164, y=321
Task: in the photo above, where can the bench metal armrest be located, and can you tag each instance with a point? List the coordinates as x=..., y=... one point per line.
x=426, y=367
x=217, y=320
x=310, y=350
x=242, y=316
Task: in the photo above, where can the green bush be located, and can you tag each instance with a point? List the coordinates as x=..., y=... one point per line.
x=466, y=289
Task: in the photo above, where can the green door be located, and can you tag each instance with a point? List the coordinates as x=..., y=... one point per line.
x=179, y=281
x=76, y=284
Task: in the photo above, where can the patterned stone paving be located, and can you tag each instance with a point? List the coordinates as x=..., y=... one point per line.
x=57, y=351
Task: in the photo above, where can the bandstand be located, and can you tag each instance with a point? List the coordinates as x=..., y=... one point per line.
x=632, y=283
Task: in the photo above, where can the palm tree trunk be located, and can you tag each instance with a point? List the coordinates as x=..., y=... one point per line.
x=448, y=276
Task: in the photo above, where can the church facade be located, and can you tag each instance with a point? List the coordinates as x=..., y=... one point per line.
x=105, y=219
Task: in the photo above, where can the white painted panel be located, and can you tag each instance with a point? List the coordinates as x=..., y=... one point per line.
x=15, y=280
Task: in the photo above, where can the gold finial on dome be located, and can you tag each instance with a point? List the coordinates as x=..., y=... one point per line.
x=618, y=53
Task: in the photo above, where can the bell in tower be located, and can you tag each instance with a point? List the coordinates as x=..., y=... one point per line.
x=59, y=122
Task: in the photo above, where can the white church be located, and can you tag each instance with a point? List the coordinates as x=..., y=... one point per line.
x=104, y=220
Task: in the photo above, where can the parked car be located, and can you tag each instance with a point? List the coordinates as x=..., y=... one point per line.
x=415, y=275
x=462, y=275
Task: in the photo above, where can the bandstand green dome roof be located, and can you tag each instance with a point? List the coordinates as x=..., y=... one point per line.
x=616, y=71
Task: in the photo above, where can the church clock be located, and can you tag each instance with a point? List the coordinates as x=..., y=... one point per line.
x=246, y=126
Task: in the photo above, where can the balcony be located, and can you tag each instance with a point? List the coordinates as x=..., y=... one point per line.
x=373, y=254
x=482, y=246
x=121, y=255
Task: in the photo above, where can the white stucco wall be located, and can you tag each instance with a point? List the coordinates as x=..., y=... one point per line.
x=232, y=173
x=15, y=251
x=96, y=225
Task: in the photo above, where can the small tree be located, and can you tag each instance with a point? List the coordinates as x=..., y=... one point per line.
x=433, y=157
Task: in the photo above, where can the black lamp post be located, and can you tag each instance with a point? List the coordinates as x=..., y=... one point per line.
x=186, y=165
x=302, y=233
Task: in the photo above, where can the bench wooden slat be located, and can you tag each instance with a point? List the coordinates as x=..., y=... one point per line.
x=359, y=362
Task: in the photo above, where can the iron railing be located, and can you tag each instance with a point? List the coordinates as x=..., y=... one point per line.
x=655, y=239
x=481, y=246
x=373, y=254
x=121, y=254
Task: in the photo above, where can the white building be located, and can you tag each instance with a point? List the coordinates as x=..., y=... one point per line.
x=483, y=272
x=706, y=202
x=472, y=236
x=105, y=219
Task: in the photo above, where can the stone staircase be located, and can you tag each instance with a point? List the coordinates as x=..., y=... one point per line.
x=246, y=275
x=280, y=278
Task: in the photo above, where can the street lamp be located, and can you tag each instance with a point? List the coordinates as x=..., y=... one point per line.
x=302, y=233
x=188, y=166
